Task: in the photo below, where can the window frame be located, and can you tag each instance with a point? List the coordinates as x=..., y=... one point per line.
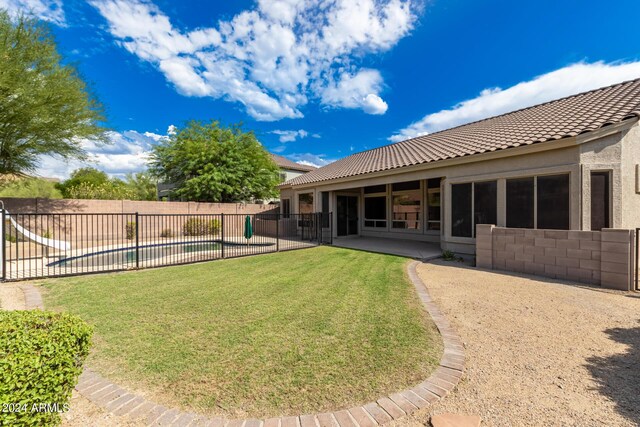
x=535, y=198
x=473, y=207
x=376, y=221
x=421, y=213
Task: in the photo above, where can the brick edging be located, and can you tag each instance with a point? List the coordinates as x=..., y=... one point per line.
x=120, y=402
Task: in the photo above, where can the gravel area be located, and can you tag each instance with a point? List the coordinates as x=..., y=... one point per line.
x=11, y=297
x=538, y=351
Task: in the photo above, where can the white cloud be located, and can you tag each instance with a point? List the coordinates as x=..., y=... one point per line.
x=563, y=82
x=273, y=59
x=317, y=160
x=47, y=10
x=291, y=135
x=356, y=91
x=128, y=152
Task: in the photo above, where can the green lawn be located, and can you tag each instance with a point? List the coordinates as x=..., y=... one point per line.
x=286, y=333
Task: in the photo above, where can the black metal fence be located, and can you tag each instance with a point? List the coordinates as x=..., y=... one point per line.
x=62, y=244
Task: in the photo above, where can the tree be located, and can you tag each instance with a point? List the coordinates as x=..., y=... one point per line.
x=28, y=187
x=143, y=186
x=45, y=108
x=210, y=163
x=83, y=176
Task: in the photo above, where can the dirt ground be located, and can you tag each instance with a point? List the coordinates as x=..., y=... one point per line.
x=539, y=352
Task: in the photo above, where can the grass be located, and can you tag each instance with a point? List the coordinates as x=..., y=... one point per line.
x=287, y=333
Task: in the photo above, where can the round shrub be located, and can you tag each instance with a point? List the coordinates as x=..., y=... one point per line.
x=41, y=357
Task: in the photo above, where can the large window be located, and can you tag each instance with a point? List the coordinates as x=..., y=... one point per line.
x=461, y=202
x=539, y=202
x=485, y=203
x=520, y=203
x=553, y=202
x=286, y=208
x=305, y=203
x=472, y=204
x=407, y=205
x=600, y=201
x=375, y=206
x=433, y=204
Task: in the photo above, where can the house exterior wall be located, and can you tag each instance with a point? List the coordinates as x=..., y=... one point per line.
x=615, y=149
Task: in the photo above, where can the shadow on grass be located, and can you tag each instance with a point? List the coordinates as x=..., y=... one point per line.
x=618, y=376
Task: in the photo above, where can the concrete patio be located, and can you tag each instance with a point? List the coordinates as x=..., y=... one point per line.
x=407, y=248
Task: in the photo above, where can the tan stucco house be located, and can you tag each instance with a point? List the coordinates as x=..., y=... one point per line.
x=569, y=164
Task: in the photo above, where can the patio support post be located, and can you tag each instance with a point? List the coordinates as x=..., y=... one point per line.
x=222, y=233
x=278, y=232
x=137, y=241
x=331, y=228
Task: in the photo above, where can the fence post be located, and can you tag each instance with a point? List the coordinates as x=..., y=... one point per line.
x=278, y=232
x=3, y=252
x=137, y=241
x=222, y=234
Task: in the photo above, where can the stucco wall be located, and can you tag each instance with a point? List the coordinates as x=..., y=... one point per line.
x=597, y=257
x=630, y=198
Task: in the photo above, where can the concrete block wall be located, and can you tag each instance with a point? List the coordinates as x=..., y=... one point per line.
x=605, y=258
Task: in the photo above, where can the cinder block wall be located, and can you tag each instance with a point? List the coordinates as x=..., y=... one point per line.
x=605, y=258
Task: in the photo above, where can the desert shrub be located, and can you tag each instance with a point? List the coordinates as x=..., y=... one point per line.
x=41, y=356
x=166, y=233
x=130, y=229
x=449, y=256
x=200, y=227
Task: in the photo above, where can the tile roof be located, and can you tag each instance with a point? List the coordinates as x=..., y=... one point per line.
x=554, y=120
x=284, y=163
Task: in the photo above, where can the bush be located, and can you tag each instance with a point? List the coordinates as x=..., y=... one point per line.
x=201, y=227
x=450, y=256
x=166, y=233
x=41, y=356
x=130, y=229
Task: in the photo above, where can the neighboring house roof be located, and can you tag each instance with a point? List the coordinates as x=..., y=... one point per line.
x=562, y=118
x=284, y=163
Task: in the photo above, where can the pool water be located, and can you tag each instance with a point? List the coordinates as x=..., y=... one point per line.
x=127, y=255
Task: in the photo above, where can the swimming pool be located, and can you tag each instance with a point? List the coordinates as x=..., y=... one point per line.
x=174, y=251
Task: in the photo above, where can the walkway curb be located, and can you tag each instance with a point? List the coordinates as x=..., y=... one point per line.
x=122, y=403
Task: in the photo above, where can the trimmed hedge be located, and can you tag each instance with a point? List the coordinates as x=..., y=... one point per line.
x=41, y=356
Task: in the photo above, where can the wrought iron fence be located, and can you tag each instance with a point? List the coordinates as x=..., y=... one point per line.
x=37, y=245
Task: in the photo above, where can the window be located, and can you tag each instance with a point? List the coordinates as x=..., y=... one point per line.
x=283, y=176
x=471, y=204
x=600, y=201
x=375, y=211
x=305, y=203
x=461, y=220
x=433, y=204
x=286, y=208
x=520, y=203
x=485, y=203
x=553, y=202
x=404, y=186
x=406, y=205
x=375, y=189
x=539, y=202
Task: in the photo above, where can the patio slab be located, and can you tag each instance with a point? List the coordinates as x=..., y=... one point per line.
x=408, y=248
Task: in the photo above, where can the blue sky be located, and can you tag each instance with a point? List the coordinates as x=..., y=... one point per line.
x=320, y=79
